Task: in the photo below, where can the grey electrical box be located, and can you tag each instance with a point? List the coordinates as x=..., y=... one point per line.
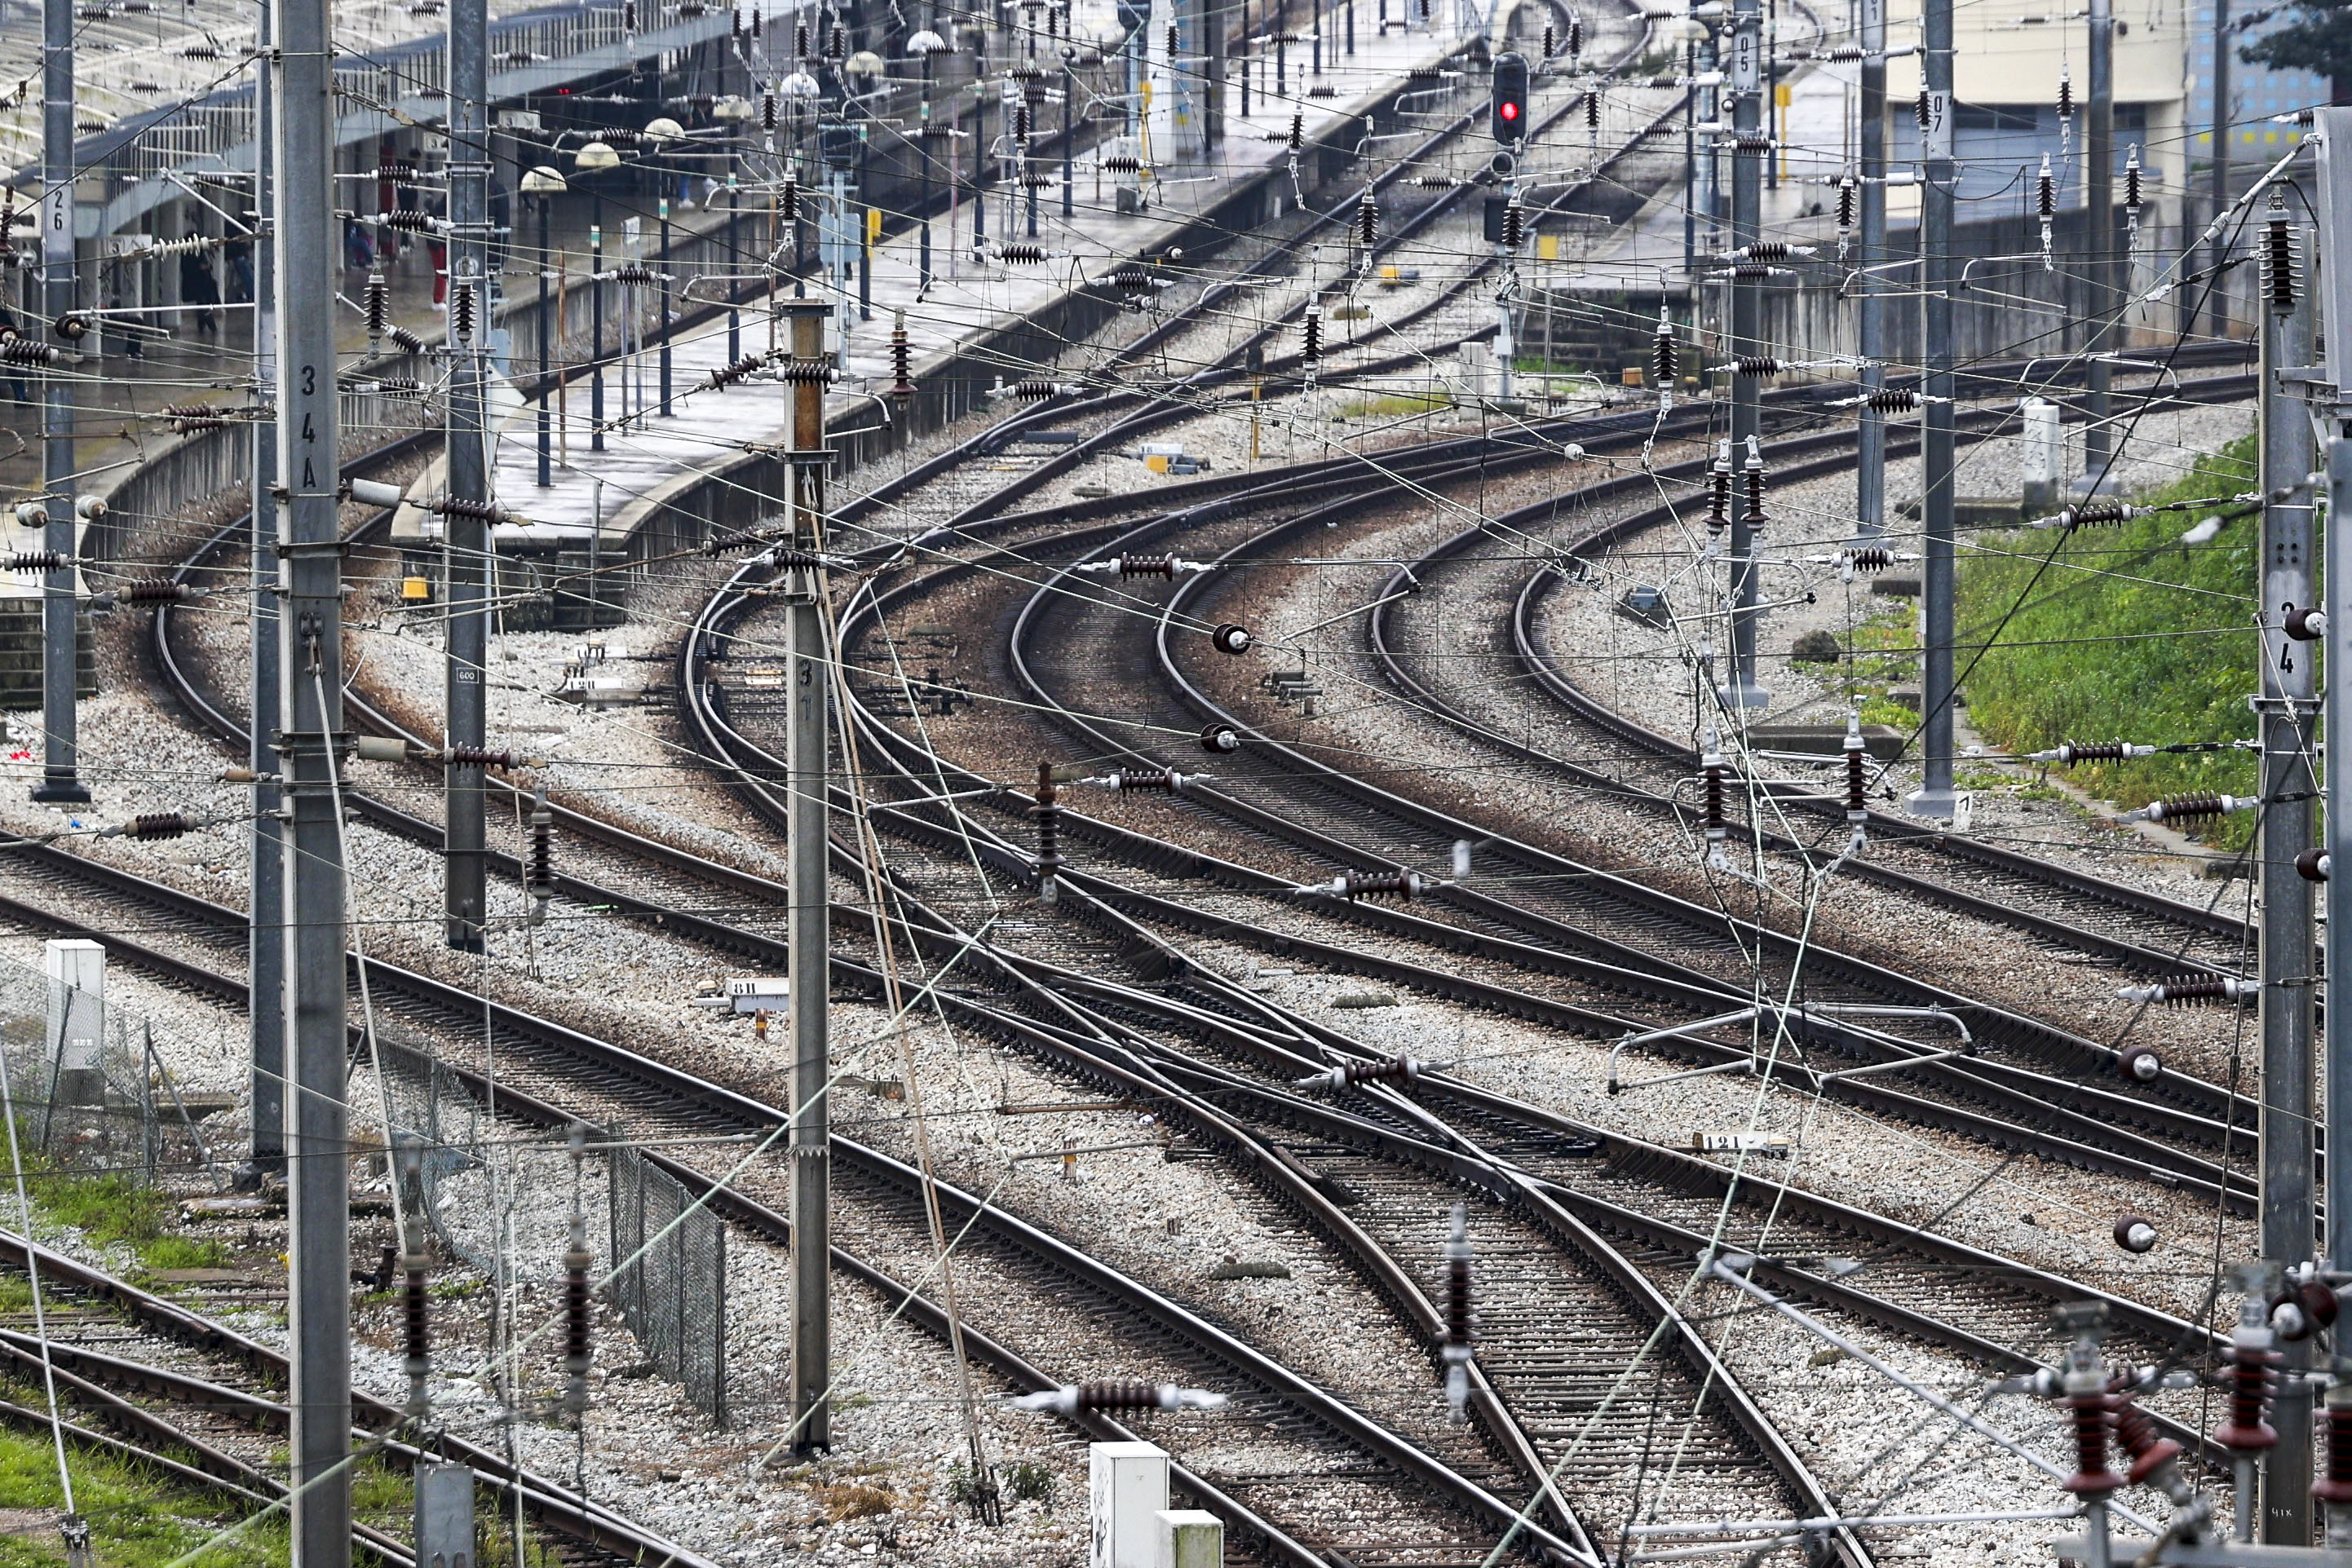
x=445, y=1515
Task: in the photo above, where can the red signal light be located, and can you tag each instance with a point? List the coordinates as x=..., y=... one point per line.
x=1510, y=111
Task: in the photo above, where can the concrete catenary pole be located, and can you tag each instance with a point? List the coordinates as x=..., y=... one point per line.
x=465, y=535
x=311, y=726
x=1935, y=796
x=807, y=896
x=2101, y=301
x=1870, y=454
x=60, y=781
x=266, y=946
x=2286, y=705
x=1741, y=689
x=2336, y=284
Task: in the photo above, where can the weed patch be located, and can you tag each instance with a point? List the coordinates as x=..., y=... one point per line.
x=2124, y=633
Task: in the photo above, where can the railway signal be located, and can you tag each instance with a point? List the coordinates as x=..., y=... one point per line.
x=1510, y=99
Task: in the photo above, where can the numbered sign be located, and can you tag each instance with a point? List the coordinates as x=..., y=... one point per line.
x=1747, y=57
x=1936, y=124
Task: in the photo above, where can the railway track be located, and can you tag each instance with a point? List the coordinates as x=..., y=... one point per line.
x=145, y=1378
x=2144, y=933
x=597, y=895
x=2195, y=1112
x=979, y=478
x=2028, y=1072
x=1409, y=1198
x=1017, y=1282
x=739, y=941
x=1337, y=1160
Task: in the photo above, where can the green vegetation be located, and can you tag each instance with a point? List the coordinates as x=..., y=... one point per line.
x=138, y=1520
x=114, y=1207
x=2126, y=635
x=1392, y=406
x=1029, y=1481
x=1883, y=653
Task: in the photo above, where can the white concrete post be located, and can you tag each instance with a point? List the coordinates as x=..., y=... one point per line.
x=1188, y=1538
x=2045, y=452
x=1127, y=1490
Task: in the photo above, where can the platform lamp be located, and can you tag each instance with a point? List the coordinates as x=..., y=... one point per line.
x=596, y=158
x=922, y=47
x=865, y=70
x=658, y=135
x=546, y=184
x=733, y=112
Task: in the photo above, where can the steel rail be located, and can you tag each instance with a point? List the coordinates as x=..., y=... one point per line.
x=2142, y=1157
x=751, y=767
x=713, y=1102
x=1816, y=456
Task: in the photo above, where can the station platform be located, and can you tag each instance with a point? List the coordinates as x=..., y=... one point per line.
x=970, y=300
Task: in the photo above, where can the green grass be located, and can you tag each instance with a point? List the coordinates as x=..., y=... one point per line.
x=2091, y=657
x=137, y=1519
x=1385, y=407
x=113, y=1209
x=1881, y=654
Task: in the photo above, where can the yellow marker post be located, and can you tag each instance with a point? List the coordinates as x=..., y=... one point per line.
x=1782, y=98
x=873, y=227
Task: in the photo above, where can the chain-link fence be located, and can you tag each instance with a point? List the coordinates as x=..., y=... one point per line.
x=675, y=1296
x=435, y=1107
x=91, y=1089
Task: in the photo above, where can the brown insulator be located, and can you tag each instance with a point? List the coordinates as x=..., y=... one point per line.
x=2336, y=1488
x=2250, y=1380
x=2093, y=1414
x=2136, y=1433
x=482, y=756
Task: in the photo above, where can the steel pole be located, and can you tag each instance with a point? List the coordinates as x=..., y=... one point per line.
x=1741, y=691
x=1870, y=453
x=2223, y=127
x=923, y=199
x=546, y=393
x=2099, y=229
x=2337, y=711
x=808, y=900
x=60, y=667
x=596, y=327
x=466, y=532
x=310, y=724
x=266, y=922
x=2335, y=283
x=661, y=209
x=2288, y=782
x=1690, y=181
x=1935, y=796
